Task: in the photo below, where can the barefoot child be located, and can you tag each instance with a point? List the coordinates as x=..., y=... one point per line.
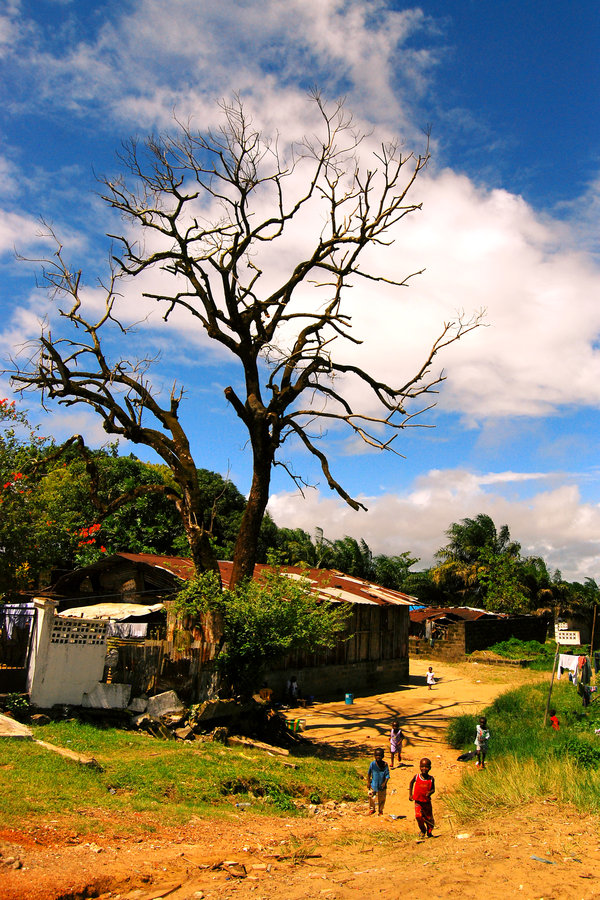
x=395, y=743
x=377, y=779
x=430, y=677
x=420, y=789
x=482, y=737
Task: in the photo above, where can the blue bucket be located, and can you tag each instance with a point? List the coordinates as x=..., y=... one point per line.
x=349, y=699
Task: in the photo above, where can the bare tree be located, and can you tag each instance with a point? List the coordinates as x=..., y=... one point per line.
x=198, y=202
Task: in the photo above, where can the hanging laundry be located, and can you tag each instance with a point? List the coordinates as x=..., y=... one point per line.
x=585, y=670
x=567, y=665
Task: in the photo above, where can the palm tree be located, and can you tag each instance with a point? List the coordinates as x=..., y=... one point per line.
x=470, y=536
x=466, y=558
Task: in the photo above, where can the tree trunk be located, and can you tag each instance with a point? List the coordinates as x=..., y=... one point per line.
x=203, y=556
x=246, y=545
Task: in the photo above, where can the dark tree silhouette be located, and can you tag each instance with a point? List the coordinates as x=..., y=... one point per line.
x=202, y=205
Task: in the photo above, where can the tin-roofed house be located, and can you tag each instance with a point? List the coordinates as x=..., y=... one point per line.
x=374, y=653
x=454, y=632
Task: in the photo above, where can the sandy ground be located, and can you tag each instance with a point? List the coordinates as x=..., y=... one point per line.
x=542, y=851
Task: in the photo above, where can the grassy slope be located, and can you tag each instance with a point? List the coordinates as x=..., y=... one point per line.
x=144, y=779
x=528, y=761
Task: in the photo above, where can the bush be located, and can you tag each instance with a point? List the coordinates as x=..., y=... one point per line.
x=461, y=731
x=514, y=648
x=18, y=706
x=263, y=621
x=587, y=756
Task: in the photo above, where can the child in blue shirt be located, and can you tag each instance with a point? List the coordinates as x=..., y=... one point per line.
x=377, y=779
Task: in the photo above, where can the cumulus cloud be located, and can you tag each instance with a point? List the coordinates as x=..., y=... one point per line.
x=144, y=63
x=480, y=248
x=19, y=230
x=536, y=276
x=554, y=523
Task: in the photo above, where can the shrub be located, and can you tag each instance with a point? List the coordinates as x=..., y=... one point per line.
x=263, y=621
x=461, y=731
x=587, y=756
x=17, y=705
x=513, y=648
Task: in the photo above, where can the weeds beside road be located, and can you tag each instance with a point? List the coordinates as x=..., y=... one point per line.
x=168, y=781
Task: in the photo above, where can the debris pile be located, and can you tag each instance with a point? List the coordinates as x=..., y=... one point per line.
x=165, y=717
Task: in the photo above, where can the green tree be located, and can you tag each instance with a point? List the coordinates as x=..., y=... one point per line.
x=50, y=512
x=262, y=622
x=501, y=578
x=422, y=586
x=29, y=537
x=470, y=536
x=393, y=571
x=351, y=557
x=477, y=552
x=296, y=547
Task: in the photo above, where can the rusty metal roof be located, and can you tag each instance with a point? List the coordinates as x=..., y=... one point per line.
x=328, y=583
x=468, y=613
x=177, y=565
x=333, y=585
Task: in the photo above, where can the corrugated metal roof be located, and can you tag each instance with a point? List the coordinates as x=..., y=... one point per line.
x=333, y=585
x=176, y=565
x=460, y=612
x=330, y=584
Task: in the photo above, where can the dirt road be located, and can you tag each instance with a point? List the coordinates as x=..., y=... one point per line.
x=540, y=852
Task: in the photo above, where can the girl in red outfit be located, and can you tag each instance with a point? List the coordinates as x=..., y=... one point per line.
x=420, y=789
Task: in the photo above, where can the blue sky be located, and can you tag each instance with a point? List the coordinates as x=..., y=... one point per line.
x=509, y=224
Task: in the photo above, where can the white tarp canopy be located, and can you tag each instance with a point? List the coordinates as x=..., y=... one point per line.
x=117, y=612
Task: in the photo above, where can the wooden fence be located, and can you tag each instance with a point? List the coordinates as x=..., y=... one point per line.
x=151, y=667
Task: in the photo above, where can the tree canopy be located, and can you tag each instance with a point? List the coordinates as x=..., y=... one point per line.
x=482, y=566
x=57, y=512
x=263, y=621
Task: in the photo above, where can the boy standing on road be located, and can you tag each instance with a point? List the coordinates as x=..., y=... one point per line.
x=377, y=780
x=420, y=789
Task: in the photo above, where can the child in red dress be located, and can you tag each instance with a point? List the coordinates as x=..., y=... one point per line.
x=420, y=789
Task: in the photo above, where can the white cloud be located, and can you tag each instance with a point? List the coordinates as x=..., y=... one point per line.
x=19, y=231
x=480, y=248
x=555, y=523
x=145, y=63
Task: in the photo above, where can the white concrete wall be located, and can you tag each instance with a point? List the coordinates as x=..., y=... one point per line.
x=67, y=659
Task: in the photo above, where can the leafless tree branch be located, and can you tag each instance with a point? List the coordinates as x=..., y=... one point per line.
x=203, y=204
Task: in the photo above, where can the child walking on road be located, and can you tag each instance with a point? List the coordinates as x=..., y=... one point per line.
x=482, y=737
x=395, y=743
x=377, y=780
x=420, y=789
x=430, y=677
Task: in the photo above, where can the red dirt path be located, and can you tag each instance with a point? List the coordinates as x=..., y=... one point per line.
x=341, y=852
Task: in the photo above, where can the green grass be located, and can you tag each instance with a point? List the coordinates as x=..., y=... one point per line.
x=527, y=761
x=513, y=648
x=144, y=780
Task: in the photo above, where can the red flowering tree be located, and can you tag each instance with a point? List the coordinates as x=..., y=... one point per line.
x=48, y=521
